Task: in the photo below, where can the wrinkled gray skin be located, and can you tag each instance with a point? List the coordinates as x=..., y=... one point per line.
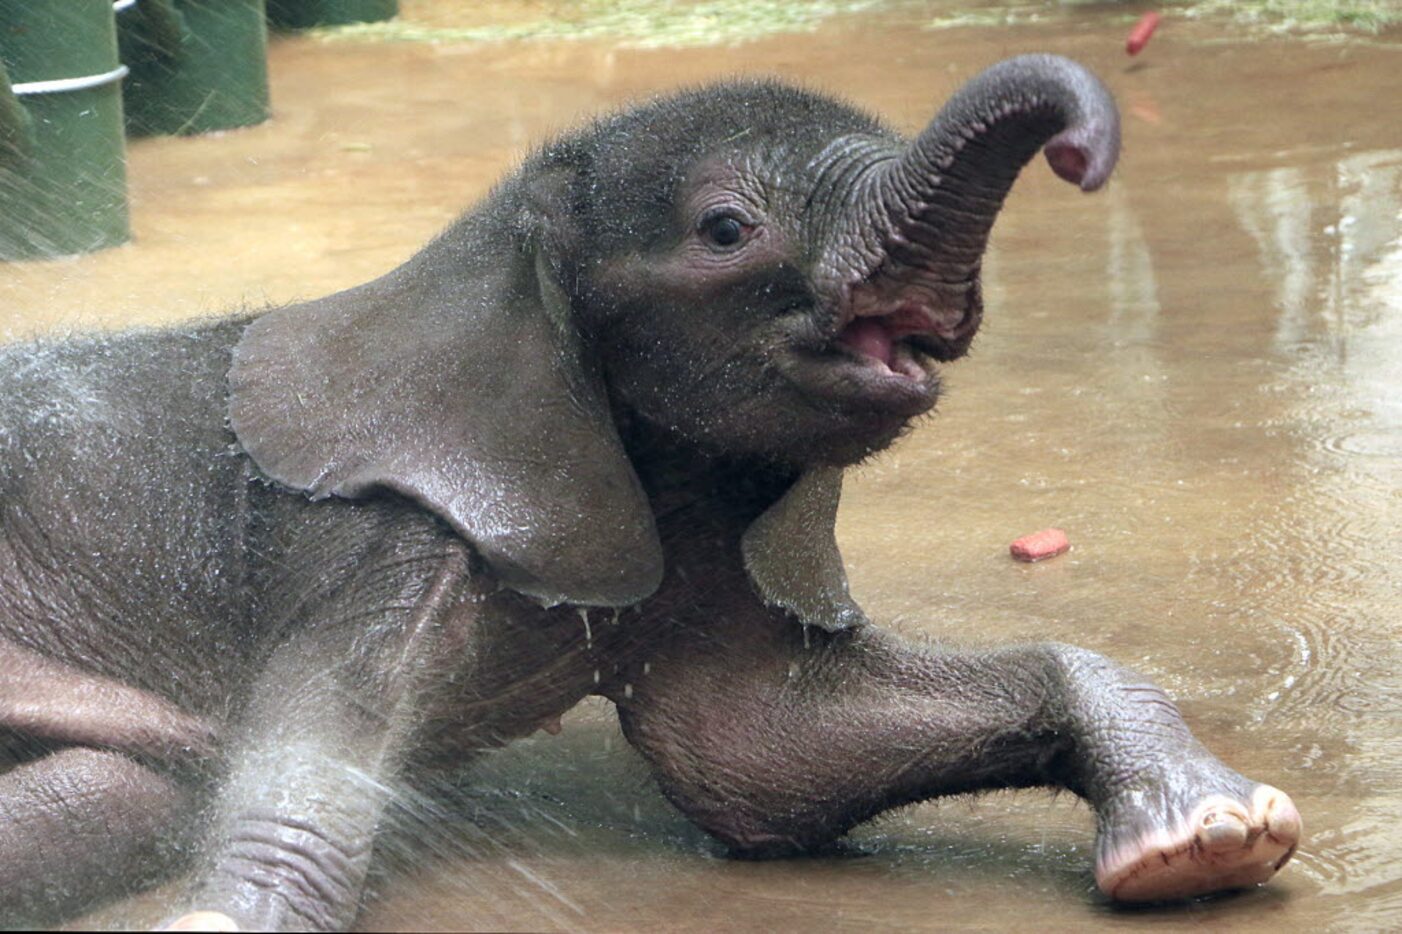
x=256, y=571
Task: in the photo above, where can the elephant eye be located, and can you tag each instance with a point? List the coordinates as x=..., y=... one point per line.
x=724, y=230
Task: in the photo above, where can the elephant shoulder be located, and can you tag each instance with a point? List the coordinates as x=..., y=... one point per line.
x=116, y=429
x=110, y=391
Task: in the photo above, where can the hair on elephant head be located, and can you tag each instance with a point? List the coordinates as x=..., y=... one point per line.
x=760, y=271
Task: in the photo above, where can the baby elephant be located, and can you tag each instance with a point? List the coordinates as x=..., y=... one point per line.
x=256, y=572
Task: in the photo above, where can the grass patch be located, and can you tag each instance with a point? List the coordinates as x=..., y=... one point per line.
x=1369, y=16
x=636, y=23
x=1012, y=15
x=679, y=23
x=1280, y=16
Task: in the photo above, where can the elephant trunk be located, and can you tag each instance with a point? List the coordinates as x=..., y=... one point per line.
x=924, y=216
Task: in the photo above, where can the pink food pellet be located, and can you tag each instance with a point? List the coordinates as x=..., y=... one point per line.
x=1047, y=543
x=1139, y=35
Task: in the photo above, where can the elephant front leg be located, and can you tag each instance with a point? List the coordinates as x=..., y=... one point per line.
x=1173, y=821
x=331, y=720
x=776, y=742
x=1184, y=842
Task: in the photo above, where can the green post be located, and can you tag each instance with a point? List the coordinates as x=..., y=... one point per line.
x=63, y=185
x=300, y=14
x=196, y=65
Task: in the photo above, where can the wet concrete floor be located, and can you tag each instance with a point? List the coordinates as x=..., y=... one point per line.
x=1197, y=373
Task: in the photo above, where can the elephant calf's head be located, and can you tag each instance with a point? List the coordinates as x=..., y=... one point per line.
x=770, y=272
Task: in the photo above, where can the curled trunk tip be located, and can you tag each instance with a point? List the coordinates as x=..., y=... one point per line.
x=1048, y=99
x=940, y=198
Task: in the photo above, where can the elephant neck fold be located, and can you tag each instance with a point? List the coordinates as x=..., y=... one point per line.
x=780, y=519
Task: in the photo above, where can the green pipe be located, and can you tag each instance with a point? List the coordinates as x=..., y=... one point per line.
x=300, y=14
x=151, y=29
x=196, y=65
x=16, y=127
x=62, y=153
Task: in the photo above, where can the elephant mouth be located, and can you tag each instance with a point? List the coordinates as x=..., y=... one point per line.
x=883, y=357
x=898, y=336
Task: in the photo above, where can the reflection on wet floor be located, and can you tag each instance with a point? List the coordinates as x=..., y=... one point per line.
x=1197, y=373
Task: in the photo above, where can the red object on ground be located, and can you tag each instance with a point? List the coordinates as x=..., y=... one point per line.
x=1139, y=35
x=1047, y=543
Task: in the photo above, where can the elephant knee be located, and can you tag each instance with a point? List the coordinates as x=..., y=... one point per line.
x=745, y=798
x=739, y=820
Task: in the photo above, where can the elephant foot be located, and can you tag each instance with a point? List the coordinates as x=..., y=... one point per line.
x=202, y=921
x=1220, y=842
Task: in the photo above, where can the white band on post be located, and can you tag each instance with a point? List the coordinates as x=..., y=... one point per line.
x=60, y=85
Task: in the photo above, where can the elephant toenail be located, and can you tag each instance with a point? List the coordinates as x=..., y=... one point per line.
x=1220, y=831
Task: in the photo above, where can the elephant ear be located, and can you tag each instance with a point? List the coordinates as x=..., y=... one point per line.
x=792, y=558
x=460, y=381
